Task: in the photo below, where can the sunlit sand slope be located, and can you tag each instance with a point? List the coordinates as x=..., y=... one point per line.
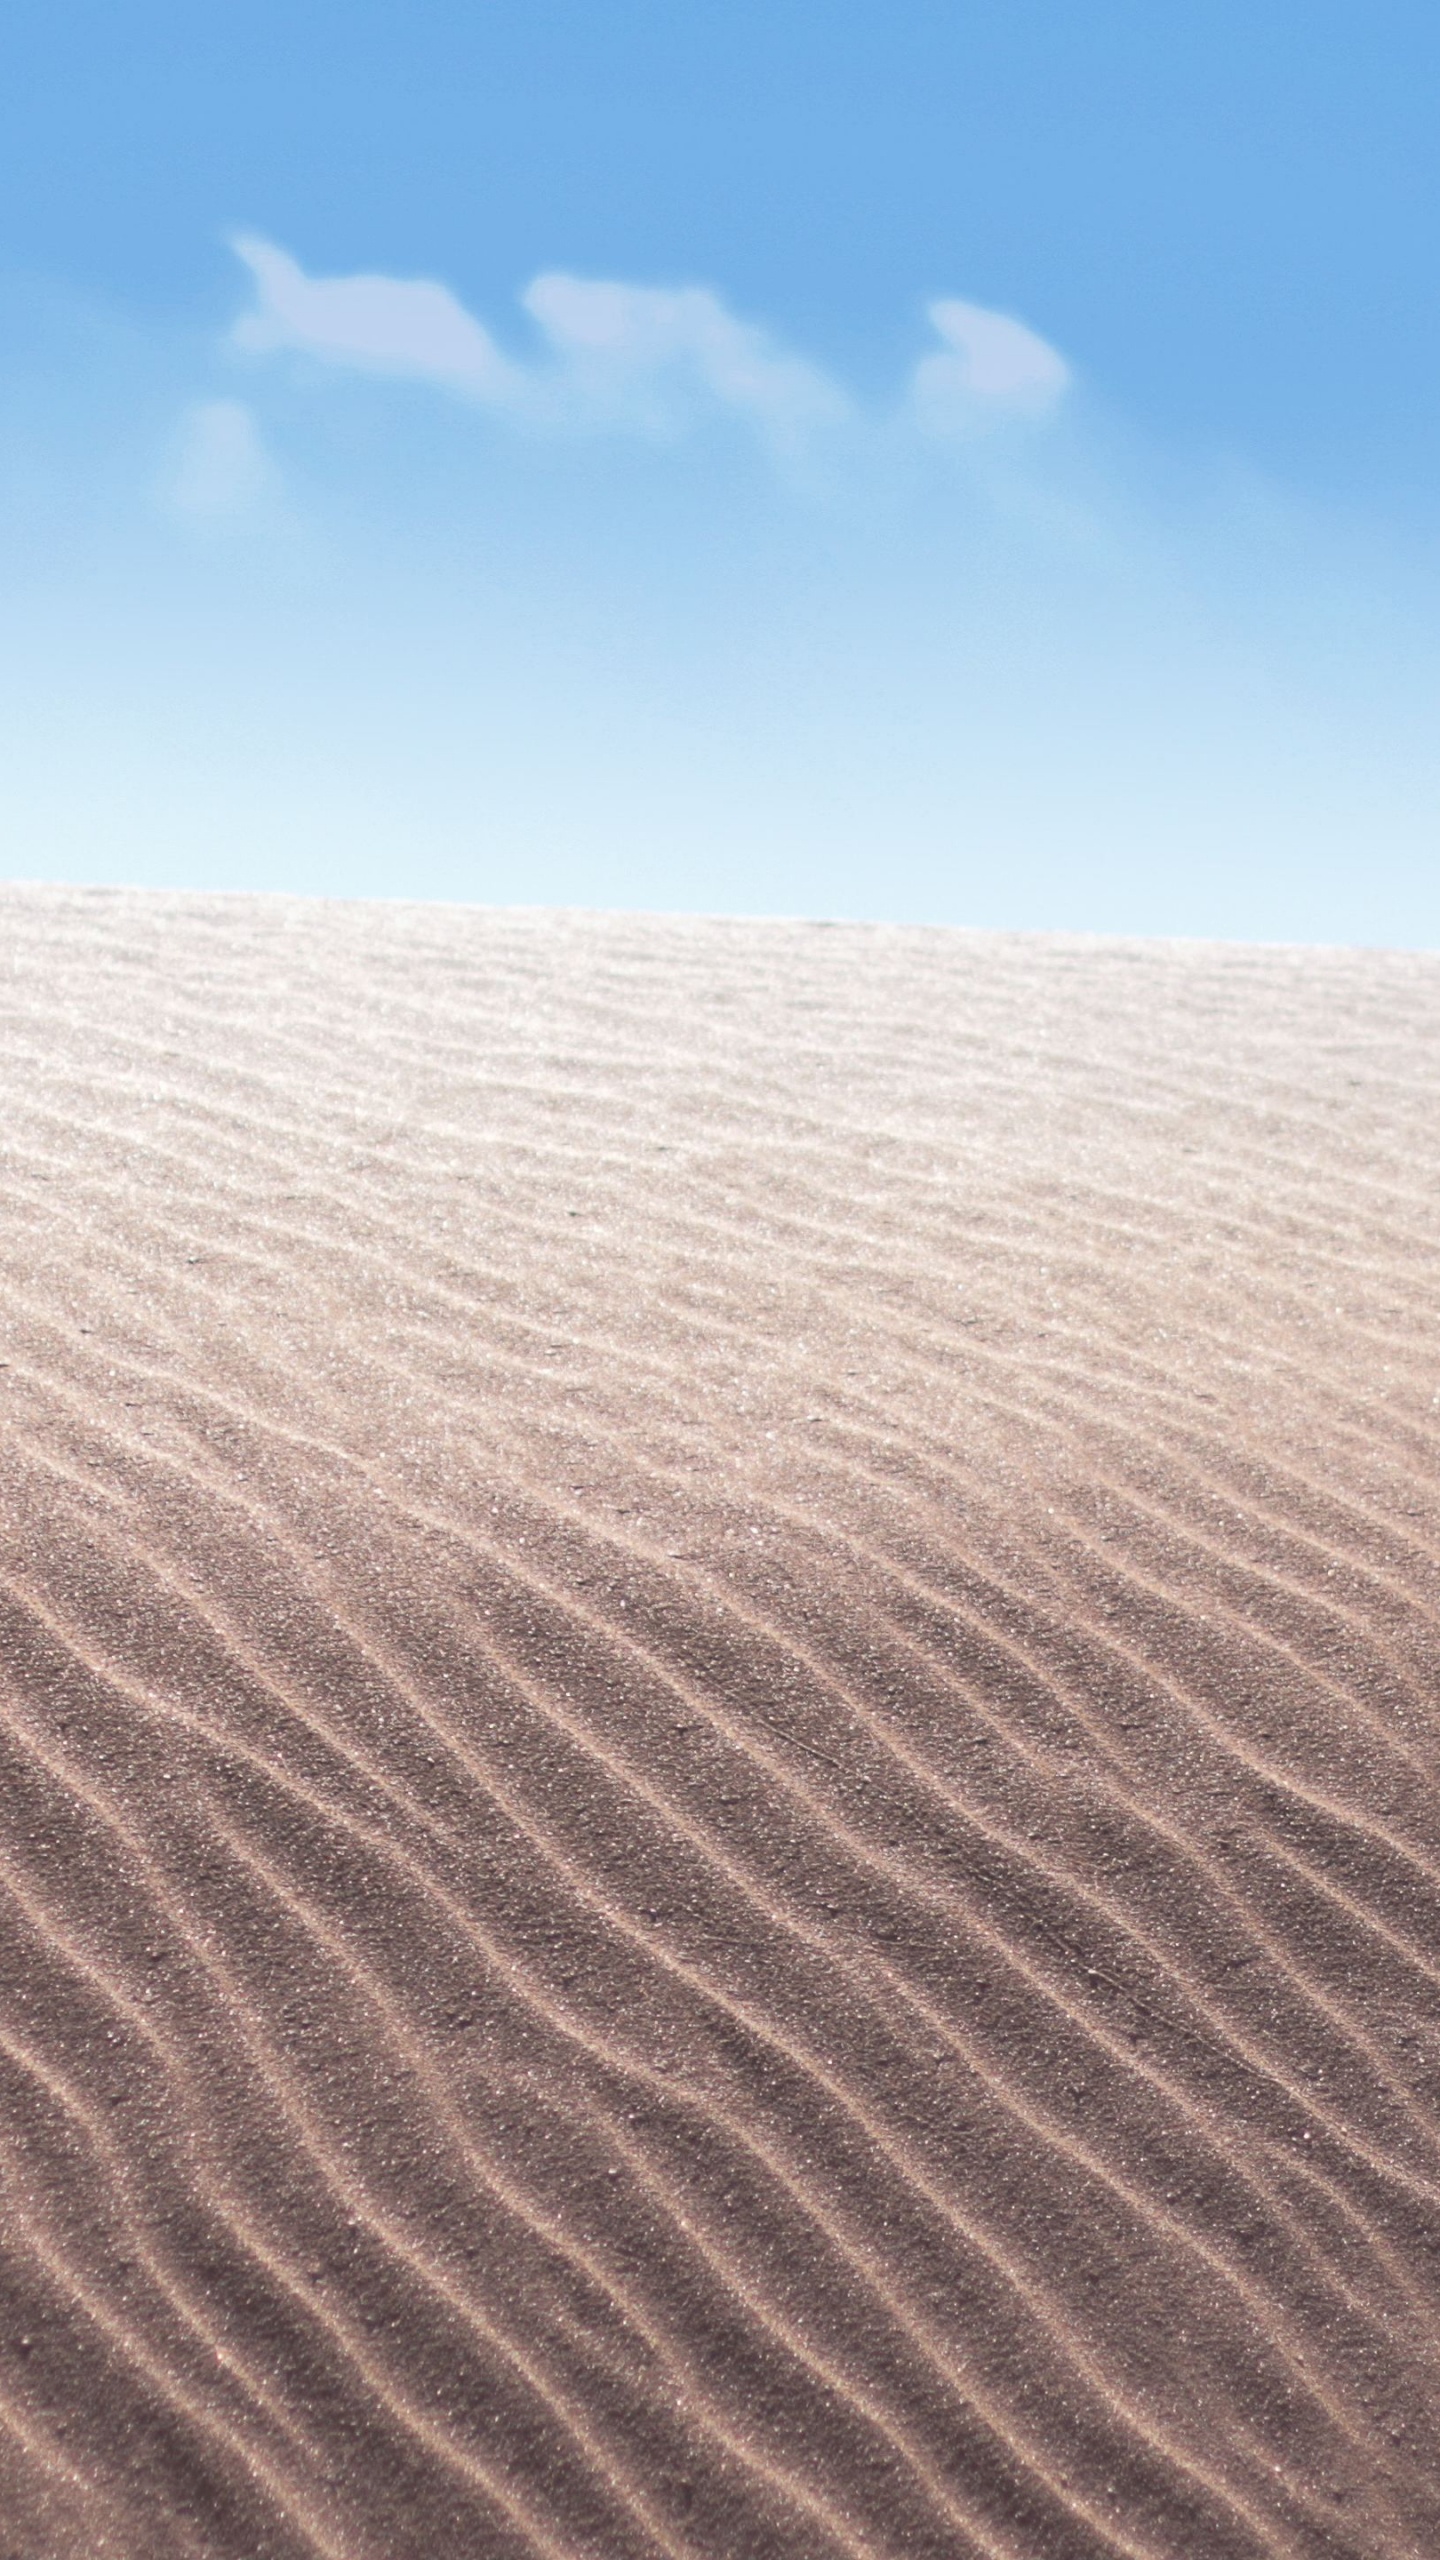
x=718, y=1741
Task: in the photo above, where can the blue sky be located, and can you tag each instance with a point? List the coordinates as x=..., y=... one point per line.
x=940, y=463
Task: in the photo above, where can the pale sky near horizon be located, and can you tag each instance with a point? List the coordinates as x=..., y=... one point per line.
x=958, y=464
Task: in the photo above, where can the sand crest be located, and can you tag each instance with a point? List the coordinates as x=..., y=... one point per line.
x=718, y=1740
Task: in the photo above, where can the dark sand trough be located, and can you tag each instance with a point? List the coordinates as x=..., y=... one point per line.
x=718, y=1741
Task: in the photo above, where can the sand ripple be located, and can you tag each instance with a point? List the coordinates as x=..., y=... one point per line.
x=718, y=1740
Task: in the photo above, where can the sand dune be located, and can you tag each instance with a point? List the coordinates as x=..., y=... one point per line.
x=718, y=1741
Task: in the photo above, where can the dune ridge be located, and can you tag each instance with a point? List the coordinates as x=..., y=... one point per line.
x=718, y=1739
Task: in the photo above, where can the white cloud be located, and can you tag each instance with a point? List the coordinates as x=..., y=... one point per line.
x=634, y=357
x=382, y=324
x=218, y=465
x=646, y=356
x=991, y=366
x=640, y=359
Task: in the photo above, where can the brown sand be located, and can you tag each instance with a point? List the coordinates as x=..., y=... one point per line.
x=718, y=1740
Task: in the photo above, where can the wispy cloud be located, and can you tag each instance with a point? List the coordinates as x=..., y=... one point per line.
x=628, y=355
x=637, y=358
x=989, y=364
x=376, y=324
x=218, y=465
x=631, y=358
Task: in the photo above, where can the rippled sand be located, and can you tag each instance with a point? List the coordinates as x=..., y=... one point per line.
x=719, y=1702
